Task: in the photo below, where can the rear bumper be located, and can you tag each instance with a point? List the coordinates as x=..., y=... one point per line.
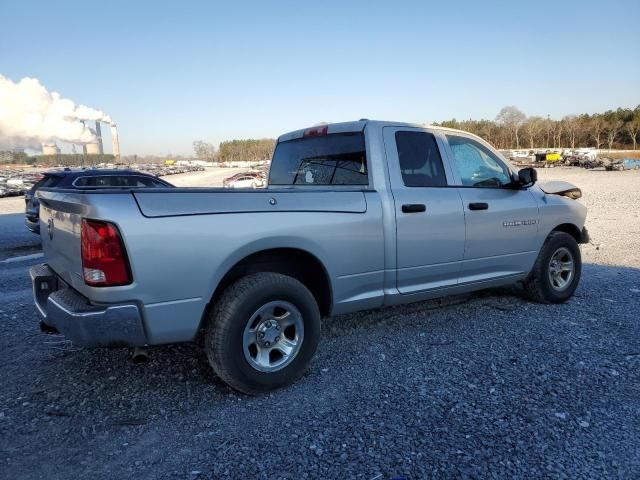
x=81, y=322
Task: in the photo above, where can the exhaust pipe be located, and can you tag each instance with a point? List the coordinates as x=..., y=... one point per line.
x=48, y=329
x=140, y=355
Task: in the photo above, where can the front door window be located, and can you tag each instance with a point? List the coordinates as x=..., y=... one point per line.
x=476, y=164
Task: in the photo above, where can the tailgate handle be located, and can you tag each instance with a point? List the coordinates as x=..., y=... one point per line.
x=414, y=207
x=479, y=206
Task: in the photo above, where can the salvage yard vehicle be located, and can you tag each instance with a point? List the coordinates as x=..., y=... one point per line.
x=356, y=216
x=244, y=180
x=620, y=163
x=548, y=159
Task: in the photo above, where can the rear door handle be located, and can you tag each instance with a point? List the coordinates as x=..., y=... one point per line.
x=479, y=206
x=414, y=207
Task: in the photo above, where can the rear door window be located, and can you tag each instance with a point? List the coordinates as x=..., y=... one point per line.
x=335, y=159
x=420, y=161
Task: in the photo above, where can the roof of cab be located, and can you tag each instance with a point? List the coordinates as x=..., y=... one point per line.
x=359, y=125
x=341, y=127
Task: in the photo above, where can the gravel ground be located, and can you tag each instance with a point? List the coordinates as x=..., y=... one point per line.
x=477, y=386
x=15, y=239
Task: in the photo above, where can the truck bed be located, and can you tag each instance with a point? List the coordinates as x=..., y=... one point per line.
x=181, y=242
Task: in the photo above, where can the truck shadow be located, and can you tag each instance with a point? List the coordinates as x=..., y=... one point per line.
x=508, y=299
x=111, y=382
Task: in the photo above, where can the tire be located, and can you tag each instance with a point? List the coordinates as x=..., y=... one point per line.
x=249, y=308
x=542, y=285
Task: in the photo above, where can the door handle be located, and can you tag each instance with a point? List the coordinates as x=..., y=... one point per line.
x=479, y=206
x=414, y=207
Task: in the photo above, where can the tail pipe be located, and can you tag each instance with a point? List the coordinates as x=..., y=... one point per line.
x=140, y=355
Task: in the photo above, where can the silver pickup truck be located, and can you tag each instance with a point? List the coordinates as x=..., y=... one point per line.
x=356, y=216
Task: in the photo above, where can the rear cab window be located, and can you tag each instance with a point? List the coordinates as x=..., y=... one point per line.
x=334, y=159
x=420, y=160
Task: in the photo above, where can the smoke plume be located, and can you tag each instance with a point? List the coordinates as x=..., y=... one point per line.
x=31, y=115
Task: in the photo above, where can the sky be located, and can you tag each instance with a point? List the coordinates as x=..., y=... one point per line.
x=173, y=72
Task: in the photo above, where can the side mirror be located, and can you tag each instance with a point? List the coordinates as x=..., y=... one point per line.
x=527, y=176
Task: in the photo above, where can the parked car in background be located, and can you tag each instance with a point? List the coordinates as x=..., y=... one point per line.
x=245, y=180
x=14, y=183
x=631, y=163
x=82, y=179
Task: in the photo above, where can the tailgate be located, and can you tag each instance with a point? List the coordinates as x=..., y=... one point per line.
x=60, y=219
x=61, y=214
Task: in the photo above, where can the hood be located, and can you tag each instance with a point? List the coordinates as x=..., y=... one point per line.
x=558, y=187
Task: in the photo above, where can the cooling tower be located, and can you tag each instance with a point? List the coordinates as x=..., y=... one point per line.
x=99, y=138
x=94, y=148
x=115, y=143
x=50, y=149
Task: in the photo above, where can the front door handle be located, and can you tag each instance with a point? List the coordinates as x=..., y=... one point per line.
x=479, y=206
x=414, y=207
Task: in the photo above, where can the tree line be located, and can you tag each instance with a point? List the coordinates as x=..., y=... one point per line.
x=252, y=150
x=510, y=129
x=60, y=159
x=513, y=129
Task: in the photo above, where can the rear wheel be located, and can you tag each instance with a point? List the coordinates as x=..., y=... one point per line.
x=556, y=273
x=262, y=332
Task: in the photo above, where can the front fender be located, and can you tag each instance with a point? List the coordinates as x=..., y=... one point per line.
x=556, y=210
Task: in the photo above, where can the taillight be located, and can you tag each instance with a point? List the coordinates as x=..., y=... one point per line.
x=319, y=131
x=104, y=260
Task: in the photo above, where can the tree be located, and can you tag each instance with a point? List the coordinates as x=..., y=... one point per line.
x=557, y=135
x=250, y=150
x=548, y=125
x=633, y=127
x=533, y=127
x=612, y=131
x=512, y=119
x=613, y=125
x=486, y=129
x=74, y=160
x=204, y=151
x=583, y=130
x=596, y=125
x=572, y=125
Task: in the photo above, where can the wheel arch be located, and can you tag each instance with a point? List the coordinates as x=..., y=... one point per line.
x=572, y=230
x=294, y=262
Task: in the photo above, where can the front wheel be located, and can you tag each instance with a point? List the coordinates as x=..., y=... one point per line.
x=556, y=273
x=262, y=332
